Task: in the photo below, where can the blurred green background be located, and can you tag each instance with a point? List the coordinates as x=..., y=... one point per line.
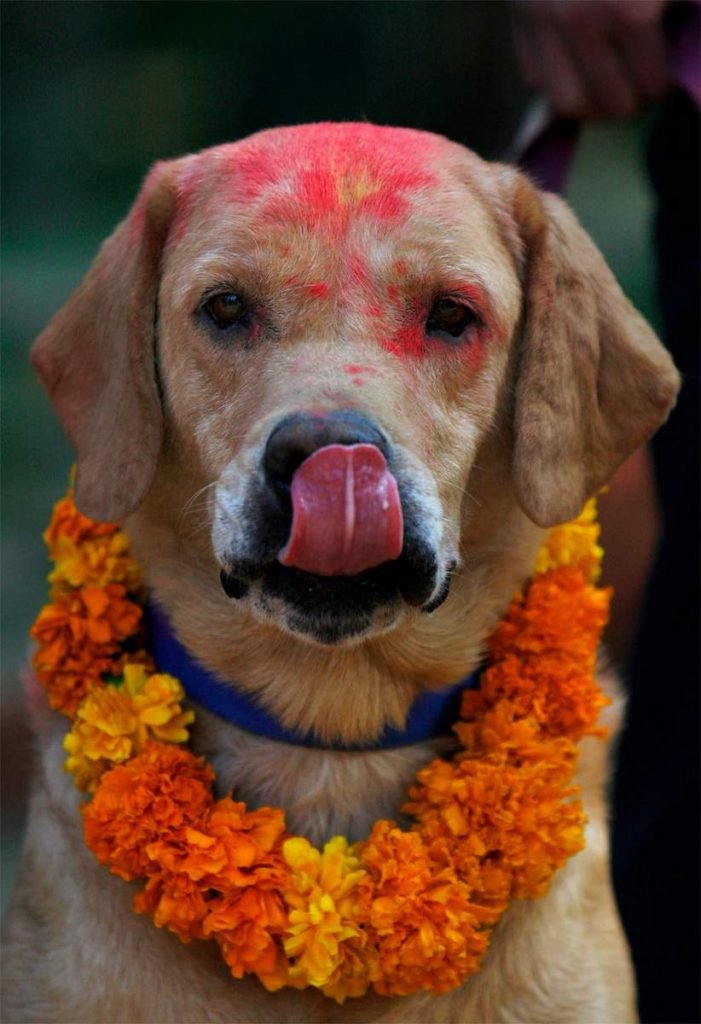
x=94, y=92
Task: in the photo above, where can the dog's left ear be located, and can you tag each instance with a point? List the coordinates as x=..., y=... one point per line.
x=96, y=358
x=593, y=382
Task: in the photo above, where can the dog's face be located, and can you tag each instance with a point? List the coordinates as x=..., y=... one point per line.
x=347, y=319
x=342, y=292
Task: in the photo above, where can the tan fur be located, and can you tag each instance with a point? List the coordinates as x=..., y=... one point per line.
x=573, y=382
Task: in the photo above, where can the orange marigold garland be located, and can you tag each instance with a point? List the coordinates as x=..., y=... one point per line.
x=401, y=912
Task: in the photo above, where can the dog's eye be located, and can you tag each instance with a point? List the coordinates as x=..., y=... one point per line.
x=225, y=309
x=448, y=316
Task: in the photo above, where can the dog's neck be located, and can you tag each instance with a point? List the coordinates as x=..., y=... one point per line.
x=323, y=792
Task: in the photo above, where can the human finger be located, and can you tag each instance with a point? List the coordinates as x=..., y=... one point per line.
x=643, y=49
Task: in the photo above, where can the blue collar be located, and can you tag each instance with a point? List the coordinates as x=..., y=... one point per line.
x=432, y=714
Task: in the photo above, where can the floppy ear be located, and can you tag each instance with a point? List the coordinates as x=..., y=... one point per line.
x=593, y=382
x=96, y=358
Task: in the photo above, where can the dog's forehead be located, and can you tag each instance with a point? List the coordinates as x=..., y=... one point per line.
x=327, y=176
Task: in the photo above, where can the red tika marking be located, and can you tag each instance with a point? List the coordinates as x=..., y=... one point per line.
x=407, y=342
x=357, y=274
x=317, y=291
x=359, y=372
x=330, y=174
x=354, y=368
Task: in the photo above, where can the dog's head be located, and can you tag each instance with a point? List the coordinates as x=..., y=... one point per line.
x=330, y=332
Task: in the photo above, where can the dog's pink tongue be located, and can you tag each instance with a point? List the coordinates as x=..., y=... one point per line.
x=346, y=513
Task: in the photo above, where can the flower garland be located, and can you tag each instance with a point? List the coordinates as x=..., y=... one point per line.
x=400, y=912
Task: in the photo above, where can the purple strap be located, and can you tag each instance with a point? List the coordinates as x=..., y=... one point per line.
x=546, y=151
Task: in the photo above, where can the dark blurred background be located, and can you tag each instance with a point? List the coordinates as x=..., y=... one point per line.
x=94, y=92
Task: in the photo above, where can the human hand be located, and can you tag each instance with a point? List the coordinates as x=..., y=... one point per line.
x=593, y=58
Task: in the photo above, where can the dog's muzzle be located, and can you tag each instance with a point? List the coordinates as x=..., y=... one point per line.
x=332, y=532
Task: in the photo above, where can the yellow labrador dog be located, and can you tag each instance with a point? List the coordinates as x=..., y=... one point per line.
x=334, y=301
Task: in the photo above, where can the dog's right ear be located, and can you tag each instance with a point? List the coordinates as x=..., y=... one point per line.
x=96, y=358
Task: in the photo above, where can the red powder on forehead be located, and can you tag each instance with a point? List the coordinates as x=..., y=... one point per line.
x=318, y=290
x=356, y=271
x=326, y=174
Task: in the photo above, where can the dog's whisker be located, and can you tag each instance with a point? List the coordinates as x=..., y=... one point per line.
x=199, y=495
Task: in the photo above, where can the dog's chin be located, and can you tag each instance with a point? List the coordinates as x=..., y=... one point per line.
x=339, y=610
x=332, y=610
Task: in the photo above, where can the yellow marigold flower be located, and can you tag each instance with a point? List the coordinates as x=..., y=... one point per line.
x=94, y=563
x=156, y=700
x=322, y=901
x=86, y=772
x=114, y=723
x=574, y=544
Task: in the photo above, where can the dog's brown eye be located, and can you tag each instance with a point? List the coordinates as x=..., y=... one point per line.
x=448, y=316
x=225, y=309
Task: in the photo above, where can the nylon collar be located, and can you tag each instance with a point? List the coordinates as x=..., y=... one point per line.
x=431, y=715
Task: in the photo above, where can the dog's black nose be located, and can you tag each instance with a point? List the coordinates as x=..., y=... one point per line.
x=300, y=434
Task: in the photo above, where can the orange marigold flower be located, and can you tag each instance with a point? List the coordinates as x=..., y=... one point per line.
x=231, y=848
x=358, y=970
x=174, y=902
x=247, y=924
x=418, y=914
x=226, y=873
x=67, y=522
x=543, y=659
x=151, y=798
x=78, y=636
x=252, y=841
x=87, y=553
x=67, y=686
x=523, y=816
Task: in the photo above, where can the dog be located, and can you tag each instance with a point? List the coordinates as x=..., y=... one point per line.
x=452, y=335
